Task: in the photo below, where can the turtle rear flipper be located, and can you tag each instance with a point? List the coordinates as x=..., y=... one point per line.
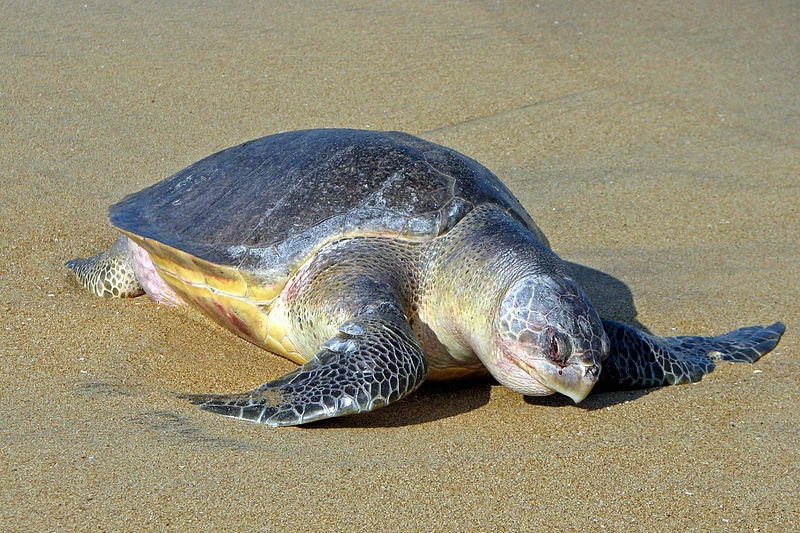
x=372, y=361
x=639, y=360
x=109, y=274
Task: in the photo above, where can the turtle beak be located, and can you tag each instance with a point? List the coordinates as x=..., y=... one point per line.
x=575, y=380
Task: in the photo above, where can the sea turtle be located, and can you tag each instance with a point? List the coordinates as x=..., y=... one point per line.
x=377, y=260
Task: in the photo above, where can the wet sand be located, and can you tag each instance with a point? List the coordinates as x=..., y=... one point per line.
x=655, y=143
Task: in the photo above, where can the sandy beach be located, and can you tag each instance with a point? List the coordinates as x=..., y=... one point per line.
x=657, y=144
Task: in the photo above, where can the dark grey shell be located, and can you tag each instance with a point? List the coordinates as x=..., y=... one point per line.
x=266, y=205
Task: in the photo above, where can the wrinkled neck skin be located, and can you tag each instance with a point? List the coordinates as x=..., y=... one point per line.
x=507, y=299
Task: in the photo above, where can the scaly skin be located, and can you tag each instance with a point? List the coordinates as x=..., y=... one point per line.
x=108, y=274
x=641, y=360
x=514, y=306
x=374, y=317
x=373, y=360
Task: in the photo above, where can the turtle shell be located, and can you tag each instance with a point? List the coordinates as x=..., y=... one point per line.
x=263, y=207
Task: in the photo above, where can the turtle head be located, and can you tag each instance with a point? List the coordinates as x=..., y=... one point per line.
x=547, y=338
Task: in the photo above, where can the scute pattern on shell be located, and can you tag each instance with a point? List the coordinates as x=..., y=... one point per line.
x=238, y=207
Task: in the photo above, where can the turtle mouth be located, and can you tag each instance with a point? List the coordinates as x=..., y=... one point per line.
x=575, y=379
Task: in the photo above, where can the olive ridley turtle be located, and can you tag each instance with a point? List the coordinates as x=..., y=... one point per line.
x=377, y=260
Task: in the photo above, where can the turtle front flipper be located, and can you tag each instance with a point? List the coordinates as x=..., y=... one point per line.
x=639, y=360
x=109, y=274
x=372, y=361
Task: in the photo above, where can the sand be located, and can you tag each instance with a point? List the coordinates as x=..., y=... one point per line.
x=656, y=144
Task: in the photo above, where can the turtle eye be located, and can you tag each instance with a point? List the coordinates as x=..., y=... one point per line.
x=558, y=349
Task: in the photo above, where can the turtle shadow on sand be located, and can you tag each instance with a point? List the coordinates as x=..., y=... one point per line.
x=599, y=399
x=610, y=296
x=437, y=401
x=432, y=402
